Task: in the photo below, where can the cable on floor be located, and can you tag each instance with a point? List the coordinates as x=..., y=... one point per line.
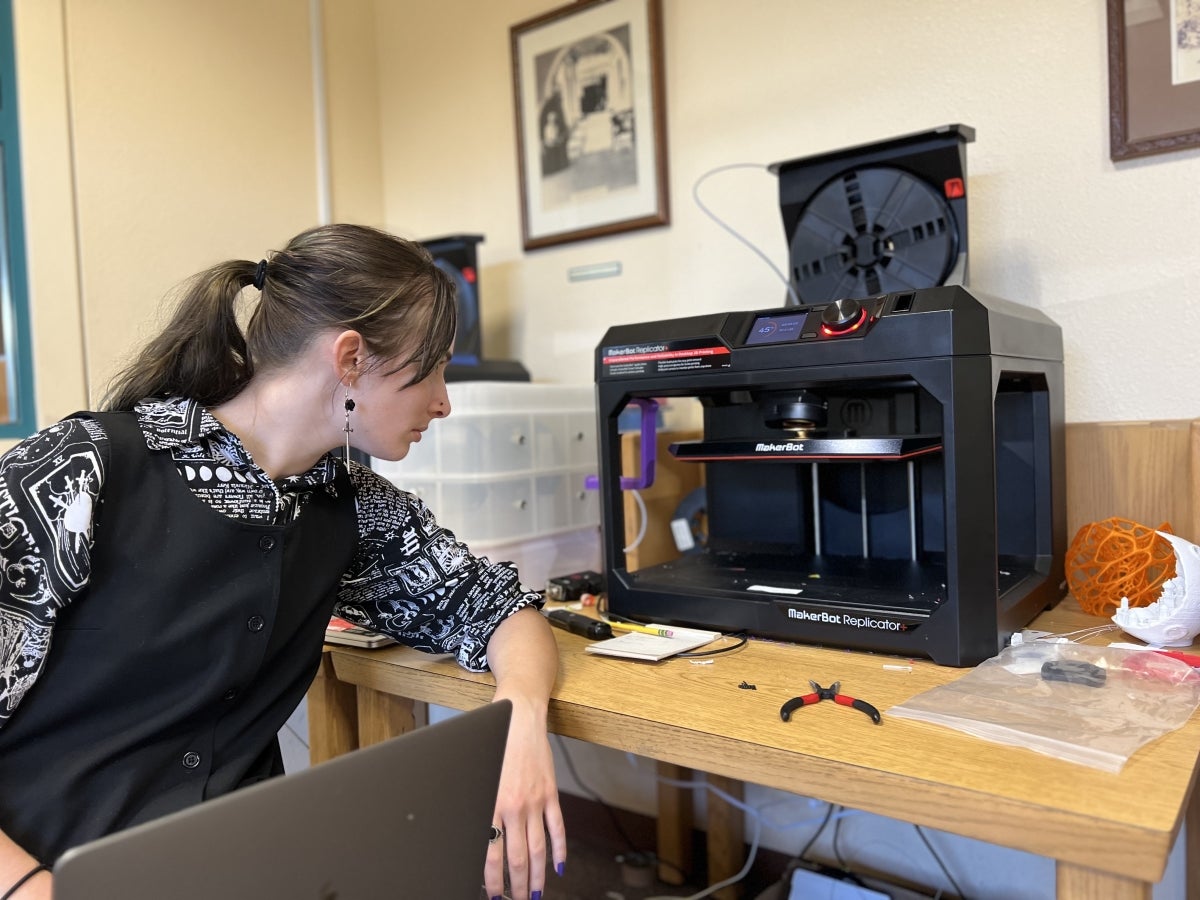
x=629, y=842
x=945, y=869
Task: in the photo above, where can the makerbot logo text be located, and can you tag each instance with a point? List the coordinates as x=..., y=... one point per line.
x=791, y=446
x=630, y=351
x=828, y=618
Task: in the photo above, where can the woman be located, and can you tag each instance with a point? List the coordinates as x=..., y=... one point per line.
x=170, y=563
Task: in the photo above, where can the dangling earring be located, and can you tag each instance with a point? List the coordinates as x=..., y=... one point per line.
x=346, y=428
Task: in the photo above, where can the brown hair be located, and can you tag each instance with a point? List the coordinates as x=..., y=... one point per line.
x=330, y=277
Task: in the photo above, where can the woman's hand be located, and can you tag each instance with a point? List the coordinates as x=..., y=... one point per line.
x=526, y=811
x=524, y=658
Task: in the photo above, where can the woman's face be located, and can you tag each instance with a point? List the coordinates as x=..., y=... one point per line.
x=390, y=414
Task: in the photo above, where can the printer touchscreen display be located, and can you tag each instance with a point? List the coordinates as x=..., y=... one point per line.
x=776, y=329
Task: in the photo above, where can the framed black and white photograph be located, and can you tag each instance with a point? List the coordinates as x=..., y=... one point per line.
x=1153, y=76
x=591, y=120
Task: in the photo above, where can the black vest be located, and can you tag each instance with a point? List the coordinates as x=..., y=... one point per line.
x=167, y=681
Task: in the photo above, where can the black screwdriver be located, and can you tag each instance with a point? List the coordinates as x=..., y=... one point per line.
x=579, y=624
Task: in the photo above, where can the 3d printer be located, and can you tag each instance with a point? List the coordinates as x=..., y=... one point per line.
x=883, y=474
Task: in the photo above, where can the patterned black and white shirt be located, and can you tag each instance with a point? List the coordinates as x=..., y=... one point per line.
x=410, y=578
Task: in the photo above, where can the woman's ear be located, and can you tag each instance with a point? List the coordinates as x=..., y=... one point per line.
x=348, y=351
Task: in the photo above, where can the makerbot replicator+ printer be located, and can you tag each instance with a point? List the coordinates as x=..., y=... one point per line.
x=881, y=473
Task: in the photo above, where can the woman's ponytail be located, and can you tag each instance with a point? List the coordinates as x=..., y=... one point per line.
x=201, y=353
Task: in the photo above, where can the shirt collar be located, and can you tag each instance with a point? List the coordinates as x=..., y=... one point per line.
x=177, y=422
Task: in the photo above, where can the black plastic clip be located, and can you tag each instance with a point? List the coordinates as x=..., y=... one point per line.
x=1074, y=671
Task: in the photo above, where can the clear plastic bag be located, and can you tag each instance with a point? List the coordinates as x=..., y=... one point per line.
x=1085, y=704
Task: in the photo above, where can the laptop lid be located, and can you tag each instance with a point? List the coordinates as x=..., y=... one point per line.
x=409, y=817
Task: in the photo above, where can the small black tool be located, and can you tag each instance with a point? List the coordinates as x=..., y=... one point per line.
x=1073, y=671
x=580, y=624
x=569, y=588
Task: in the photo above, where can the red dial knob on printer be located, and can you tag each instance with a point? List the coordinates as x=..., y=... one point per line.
x=842, y=316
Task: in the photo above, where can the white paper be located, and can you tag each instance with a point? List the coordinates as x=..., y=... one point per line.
x=637, y=645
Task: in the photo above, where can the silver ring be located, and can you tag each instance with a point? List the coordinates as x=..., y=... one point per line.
x=497, y=833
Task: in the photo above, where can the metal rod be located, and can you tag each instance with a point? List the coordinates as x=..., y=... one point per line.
x=862, y=481
x=912, y=511
x=816, y=503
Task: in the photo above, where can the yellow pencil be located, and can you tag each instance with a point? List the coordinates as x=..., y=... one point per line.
x=642, y=629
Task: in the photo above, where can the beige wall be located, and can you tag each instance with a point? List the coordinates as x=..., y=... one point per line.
x=352, y=105
x=160, y=136
x=1103, y=249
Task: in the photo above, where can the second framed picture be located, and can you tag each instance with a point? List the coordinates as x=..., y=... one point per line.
x=1153, y=76
x=591, y=120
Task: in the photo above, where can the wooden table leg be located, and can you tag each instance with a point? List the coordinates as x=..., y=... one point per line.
x=1077, y=883
x=675, y=825
x=382, y=716
x=332, y=715
x=1191, y=845
x=726, y=835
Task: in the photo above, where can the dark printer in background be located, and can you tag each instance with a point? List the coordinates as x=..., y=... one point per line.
x=883, y=474
x=456, y=255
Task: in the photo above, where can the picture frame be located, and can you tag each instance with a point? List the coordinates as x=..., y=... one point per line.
x=591, y=121
x=1153, y=76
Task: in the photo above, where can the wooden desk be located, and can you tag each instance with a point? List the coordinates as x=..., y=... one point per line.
x=1110, y=834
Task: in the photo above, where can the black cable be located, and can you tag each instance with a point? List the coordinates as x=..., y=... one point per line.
x=849, y=876
x=816, y=834
x=945, y=870
x=593, y=795
x=741, y=643
x=798, y=860
x=287, y=726
x=629, y=842
x=837, y=853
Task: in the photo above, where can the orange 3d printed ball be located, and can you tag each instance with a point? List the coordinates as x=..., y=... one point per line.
x=1118, y=558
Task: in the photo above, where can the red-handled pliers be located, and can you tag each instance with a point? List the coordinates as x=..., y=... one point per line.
x=829, y=693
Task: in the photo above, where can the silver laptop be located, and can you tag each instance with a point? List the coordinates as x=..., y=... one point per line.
x=409, y=817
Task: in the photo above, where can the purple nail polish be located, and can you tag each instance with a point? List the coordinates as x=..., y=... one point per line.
x=536, y=895
x=560, y=868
